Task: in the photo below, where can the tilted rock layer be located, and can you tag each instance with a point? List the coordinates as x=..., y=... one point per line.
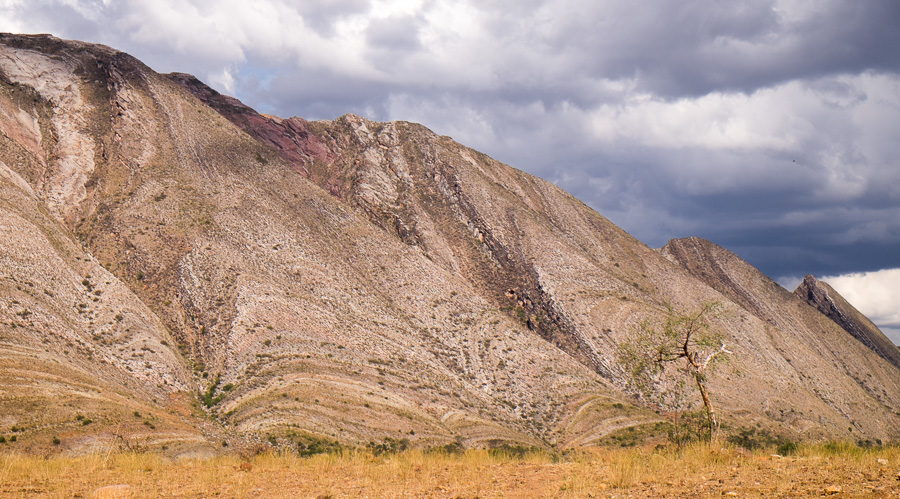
x=822, y=296
x=348, y=279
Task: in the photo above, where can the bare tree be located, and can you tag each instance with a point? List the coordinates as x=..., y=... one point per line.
x=685, y=343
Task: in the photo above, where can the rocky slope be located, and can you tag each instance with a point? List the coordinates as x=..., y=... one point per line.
x=810, y=347
x=354, y=280
x=828, y=301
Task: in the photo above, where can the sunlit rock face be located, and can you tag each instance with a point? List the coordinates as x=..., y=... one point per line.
x=828, y=301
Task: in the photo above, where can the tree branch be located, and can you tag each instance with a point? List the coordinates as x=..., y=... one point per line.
x=721, y=349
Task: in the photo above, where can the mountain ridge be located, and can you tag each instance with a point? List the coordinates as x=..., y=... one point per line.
x=821, y=295
x=355, y=280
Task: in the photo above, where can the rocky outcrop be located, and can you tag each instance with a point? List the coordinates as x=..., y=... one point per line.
x=828, y=301
x=290, y=137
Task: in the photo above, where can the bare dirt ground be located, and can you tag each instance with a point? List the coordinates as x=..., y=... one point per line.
x=700, y=471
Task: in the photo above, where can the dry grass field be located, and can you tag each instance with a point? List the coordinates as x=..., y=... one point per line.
x=696, y=471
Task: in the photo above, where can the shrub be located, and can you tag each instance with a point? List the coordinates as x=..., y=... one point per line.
x=309, y=445
x=388, y=446
x=788, y=448
x=453, y=448
x=208, y=397
x=751, y=439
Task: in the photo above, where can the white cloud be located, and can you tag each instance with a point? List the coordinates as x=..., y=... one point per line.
x=224, y=80
x=875, y=294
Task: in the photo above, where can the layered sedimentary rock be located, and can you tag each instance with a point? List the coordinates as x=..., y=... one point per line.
x=355, y=280
x=828, y=301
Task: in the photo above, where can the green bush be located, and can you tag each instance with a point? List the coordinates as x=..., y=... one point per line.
x=208, y=397
x=788, y=448
x=752, y=439
x=453, y=448
x=309, y=445
x=388, y=446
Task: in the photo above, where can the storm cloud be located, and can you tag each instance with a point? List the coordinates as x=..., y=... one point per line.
x=767, y=127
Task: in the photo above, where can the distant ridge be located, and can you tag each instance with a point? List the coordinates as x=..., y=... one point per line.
x=828, y=301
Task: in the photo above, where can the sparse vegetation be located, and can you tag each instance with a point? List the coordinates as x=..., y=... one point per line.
x=320, y=469
x=209, y=398
x=685, y=342
x=309, y=445
x=388, y=446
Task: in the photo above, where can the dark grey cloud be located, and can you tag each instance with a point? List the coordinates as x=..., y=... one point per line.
x=321, y=94
x=395, y=34
x=322, y=15
x=692, y=48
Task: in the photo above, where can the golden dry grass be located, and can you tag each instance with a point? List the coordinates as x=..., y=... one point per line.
x=698, y=471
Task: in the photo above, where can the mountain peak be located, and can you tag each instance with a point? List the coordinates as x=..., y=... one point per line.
x=824, y=298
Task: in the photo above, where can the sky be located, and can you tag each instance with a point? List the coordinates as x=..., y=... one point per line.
x=771, y=128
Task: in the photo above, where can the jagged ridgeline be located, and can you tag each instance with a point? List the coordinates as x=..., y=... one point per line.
x=180, y=270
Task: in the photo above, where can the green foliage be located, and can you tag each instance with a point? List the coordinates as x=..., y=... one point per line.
x=308, y=445
x=453, y=448
x=208, y=398
x=631, y=436
x=687, y=427
x=661, y=361
x=754, y=439
x=521, y=315
x=870, y=444
x=787, y=448
x=388, y=446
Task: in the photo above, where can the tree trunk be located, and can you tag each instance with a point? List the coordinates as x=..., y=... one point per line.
x=710, y=413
